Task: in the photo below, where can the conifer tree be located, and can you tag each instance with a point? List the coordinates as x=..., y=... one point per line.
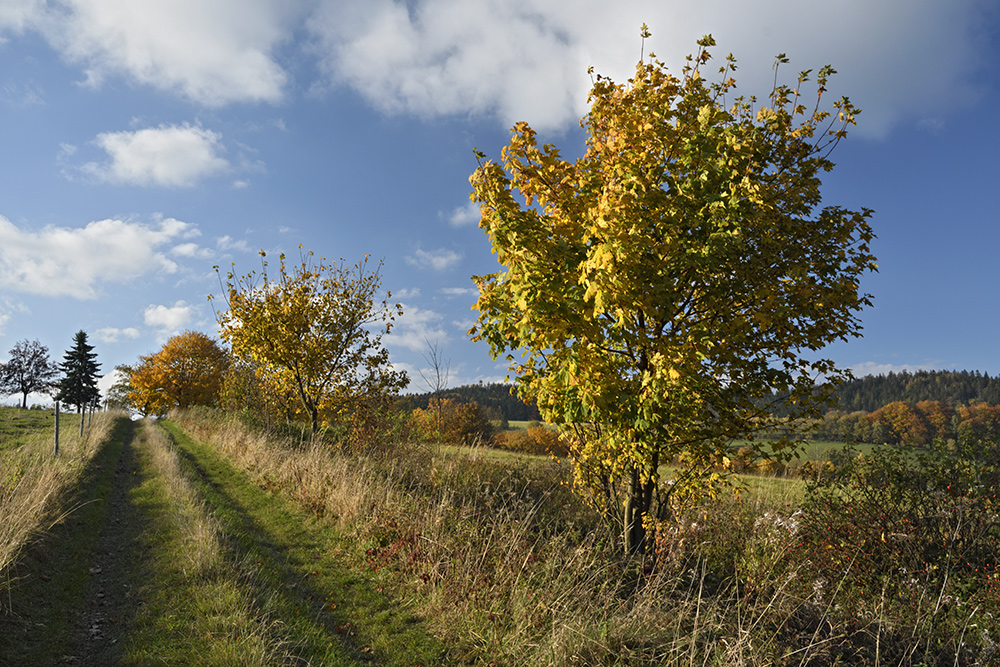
x=79, y=368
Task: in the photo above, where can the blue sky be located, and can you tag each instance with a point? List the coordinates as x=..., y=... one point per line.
x=143, y=143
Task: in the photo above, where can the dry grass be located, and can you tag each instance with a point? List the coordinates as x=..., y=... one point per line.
x=199, y=547
x=203, y=604
x=511, y=569
x=33, y=483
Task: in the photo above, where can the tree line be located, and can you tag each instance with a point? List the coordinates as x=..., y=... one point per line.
x=498, y=401
x=954, y=388
x=29, y=370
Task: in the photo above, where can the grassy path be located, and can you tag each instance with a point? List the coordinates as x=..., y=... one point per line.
x=173, y=558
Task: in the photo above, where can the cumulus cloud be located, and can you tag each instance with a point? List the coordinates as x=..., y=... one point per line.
x=439, y=260
x=62, y=261
x=192, y=250
x=213, y=52
x=528, y=60
x=113, y=335
x=226, y=243
x=407, y=293
x=464, y=215
x=168, y=155
x=414, y=328
x=523, y=60
x=168, y=319
x=459, y=291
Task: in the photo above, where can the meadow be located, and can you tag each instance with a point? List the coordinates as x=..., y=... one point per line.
x=252, y=547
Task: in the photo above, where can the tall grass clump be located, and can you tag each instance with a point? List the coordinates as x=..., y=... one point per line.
x=510, y=567
x=905, y=546
x=889, y=558
x=34, y=483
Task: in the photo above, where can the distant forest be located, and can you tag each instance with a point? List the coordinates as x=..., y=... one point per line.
x=953, y=388
x=496, y=400
x=866, y=394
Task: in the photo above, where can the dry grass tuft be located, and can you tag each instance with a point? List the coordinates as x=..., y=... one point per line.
x=34, y=484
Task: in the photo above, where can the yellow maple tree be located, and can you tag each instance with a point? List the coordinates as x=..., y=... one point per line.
x=659, y=290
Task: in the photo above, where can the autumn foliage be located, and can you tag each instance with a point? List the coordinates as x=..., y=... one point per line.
x=312, y=335
x=678, y=272
x=187, y=371
x=460, y=423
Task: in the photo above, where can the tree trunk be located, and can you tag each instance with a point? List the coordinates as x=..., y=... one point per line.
x=637, y=504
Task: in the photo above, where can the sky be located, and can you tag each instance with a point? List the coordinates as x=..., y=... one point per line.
x=141, y=144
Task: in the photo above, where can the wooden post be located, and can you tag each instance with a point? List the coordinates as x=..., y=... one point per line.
x=57, y=428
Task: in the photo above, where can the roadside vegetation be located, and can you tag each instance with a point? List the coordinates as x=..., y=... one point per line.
x=508, y=566
x=34, y=484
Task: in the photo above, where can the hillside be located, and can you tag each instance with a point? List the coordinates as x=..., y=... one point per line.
x=953, y=388
x=495, y=398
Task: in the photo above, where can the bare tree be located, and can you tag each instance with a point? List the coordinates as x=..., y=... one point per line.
x=436, y=377
x=29, y=370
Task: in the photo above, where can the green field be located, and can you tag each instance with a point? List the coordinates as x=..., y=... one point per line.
x=17, y=426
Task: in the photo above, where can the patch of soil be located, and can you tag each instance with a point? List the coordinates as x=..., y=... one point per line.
x=109, y=603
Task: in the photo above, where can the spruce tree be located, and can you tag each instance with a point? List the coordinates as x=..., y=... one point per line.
x=79, y=367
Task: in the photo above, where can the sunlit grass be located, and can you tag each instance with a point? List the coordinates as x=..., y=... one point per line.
x=34, y=481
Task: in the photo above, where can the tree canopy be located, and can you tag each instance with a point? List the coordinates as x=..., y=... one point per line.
x=188, y=370
x=655, y=289
x=79, y=367
x=28, y=370
x=314, y=331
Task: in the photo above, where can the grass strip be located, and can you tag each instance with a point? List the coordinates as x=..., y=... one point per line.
x=292, y=565
x=48, y=584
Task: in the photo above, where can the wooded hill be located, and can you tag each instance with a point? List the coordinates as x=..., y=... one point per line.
x=953, y=388
x=866, y=394
x=496, y=399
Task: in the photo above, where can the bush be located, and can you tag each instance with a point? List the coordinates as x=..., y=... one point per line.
x=536, y=440
x=915, y=536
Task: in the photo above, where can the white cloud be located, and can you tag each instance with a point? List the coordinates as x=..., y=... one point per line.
x=528, y=60
x=168, y=319
x=524, y=60
x=213, y=52
x=414, y=328
x=407, y=293
x=168, y=155
x=192, y=250
x=464, y=215
x=439, y=260
x=113, y=335
x=226, y=243
x=61, y=261
x=460, y=291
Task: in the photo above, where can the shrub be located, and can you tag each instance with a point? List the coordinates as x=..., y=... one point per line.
x=536, y=439
x=910, y=535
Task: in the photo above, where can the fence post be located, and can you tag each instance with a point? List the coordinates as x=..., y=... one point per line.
x=57, y=428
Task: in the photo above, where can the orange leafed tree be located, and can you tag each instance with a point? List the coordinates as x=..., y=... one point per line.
x=187, y=371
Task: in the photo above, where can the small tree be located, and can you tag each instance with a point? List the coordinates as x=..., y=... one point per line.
x=663, y=286
x=315, y=331
x=28, y=370
x=436, y=377
x=78, y=385
x=187, y=371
